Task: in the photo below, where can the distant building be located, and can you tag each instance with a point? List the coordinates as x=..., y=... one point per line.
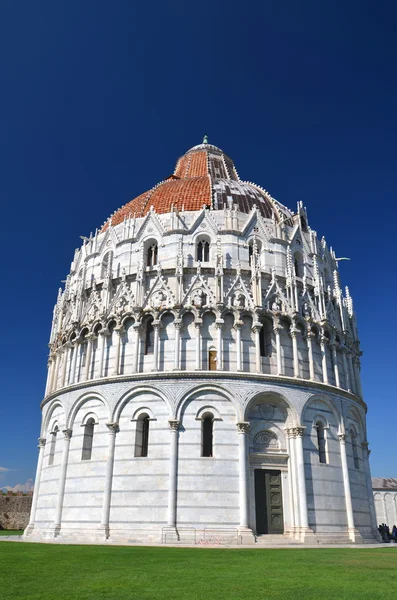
x=385, y=497
x=204, y=375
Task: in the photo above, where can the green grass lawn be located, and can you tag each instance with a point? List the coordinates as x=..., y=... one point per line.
x=11, y=531
x=48, y=571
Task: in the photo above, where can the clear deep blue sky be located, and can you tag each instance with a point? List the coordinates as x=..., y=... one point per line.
x=97, y=101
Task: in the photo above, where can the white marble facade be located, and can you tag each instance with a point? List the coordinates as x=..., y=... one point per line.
x=172, y=320
x=385, y=498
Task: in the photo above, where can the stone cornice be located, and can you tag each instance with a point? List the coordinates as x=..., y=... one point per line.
x=216, y=376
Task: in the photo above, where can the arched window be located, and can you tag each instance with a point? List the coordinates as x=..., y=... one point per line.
x=321, y=442
x=303, y=223
x=142, y=436
x=212, y=360
x=207, y=435
x=88, y=439
x=149, y=337
x=298, y=264
x=203, y=250
x=356, y=460
x=106, y=264
x=151, y=256
x=266, y=338
x=53, y=445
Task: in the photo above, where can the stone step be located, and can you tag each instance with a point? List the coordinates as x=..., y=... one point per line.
x=275, y=540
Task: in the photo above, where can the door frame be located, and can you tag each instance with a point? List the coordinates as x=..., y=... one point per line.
x=270, y=462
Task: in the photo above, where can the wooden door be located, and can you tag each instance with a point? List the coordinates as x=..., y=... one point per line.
x=212, y=360
x=268, y=502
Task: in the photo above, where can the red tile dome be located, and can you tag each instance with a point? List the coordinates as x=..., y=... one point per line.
x=204, y=176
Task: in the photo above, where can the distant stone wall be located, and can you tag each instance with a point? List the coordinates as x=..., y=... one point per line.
x=14, y=511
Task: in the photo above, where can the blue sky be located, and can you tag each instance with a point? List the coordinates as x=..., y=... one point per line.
x=97, y=101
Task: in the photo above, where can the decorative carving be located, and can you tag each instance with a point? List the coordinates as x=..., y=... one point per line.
x=41, y=443
x=265, y=440
x=298, y=431
x=67, y=433
x=243, y=427
x=174, y=425
x=113, y=427
x=266, y=411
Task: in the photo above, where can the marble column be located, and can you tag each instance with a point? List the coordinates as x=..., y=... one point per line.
x=102, y=337
x=291, y=477
x=346, y=370
x=116, y=367
x=36, y=491
x=76, y=347
x=54, y=385
x=336, y=368
x=309, y=340
x=237, y=327
x=258, y=358
x=198, y=344
x=243, y=430
x=62, y=480
x=90, y=340
x=346, y=485
x=177, y=355
x=49, y=378
x=66, y=357
x=219, y=348
x=356, y=370
x=135, y=360
x=298, y=433
x=156, y=327
x=294, y=335
x=172, y=485
x=277, y=330
x=107, y=493
x=324, y=365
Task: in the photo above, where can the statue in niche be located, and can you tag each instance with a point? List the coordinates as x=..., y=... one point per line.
x=306, y=310
x=276, y=305
x=199, y=298
x=239, y=300
x=158, y=299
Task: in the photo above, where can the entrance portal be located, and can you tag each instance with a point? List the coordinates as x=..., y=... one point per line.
x=268, y=502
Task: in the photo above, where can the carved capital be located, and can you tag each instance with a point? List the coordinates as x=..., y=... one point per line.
x=67, y=433
x=365, y=447
x=243, y=427
x=174, y=424
x=41, y=443
x=113, y=427
x=342, y=437
x=298, y=432
x=178, y=324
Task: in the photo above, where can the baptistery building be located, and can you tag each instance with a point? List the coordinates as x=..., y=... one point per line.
x=204, y=376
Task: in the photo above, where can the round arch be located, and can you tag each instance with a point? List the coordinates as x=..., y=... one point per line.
x=327, y=402
x=275, y=396
x=80, y=402
x=125, y=398
x=205, y=387
x=47, y=418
